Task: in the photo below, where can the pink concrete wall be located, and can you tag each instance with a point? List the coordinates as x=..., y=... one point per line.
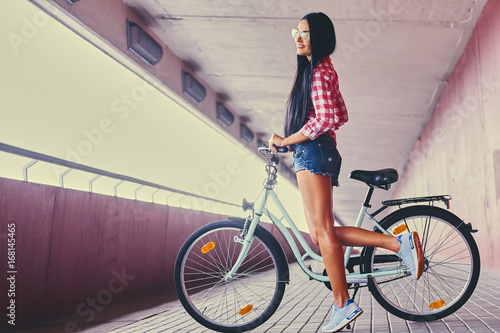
x=18, y=205
x=74, y=248
x=459, y=151
x=73, y=245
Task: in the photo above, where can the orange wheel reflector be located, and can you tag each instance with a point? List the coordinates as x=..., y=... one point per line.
x=207, y=247
x=246, y=309
x=437, y=304
x=399, y=229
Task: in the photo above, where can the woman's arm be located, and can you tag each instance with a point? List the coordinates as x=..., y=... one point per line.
x=329, y=108
x=279, y=141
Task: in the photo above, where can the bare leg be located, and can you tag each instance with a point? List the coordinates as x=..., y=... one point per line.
x=310, y=225
x=352, y=236
x=316, y=191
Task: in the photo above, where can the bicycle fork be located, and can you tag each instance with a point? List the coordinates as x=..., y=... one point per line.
x=243, y=253
x=247, y=239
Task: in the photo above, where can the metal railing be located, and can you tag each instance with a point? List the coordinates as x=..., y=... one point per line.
x=98, y=173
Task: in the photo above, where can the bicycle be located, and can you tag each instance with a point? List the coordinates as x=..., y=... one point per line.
x=230, y=276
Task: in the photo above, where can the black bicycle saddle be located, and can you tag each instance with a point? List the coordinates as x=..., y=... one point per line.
x=379, y=178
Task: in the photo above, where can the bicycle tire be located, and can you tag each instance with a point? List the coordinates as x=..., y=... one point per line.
x=451, y=272
x=246, y=301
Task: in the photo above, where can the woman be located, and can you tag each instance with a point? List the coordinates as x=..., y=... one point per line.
x=315, y=109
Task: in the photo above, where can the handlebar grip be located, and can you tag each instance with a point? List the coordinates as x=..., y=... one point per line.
x=278, y=148
x=282, y=149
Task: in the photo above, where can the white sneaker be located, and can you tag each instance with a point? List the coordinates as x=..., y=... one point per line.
x=411, y=253
x=343, y=316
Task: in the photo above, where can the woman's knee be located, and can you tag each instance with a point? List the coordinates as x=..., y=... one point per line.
x=327, y=233
x=312, y=232
x=322, y=222
x=314, y=238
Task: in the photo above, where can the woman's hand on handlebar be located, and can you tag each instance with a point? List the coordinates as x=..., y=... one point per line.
x=275, y=141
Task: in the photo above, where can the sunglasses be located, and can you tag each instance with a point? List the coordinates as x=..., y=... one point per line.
x=304, y=35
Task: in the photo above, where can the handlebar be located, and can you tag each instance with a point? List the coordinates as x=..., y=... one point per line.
x=266, y=152
x=265, y=146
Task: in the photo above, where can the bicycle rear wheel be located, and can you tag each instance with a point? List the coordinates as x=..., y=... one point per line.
x=247, y=300
x=451, y=271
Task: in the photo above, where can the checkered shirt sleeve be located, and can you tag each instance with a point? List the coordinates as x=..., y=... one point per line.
x=329, y=111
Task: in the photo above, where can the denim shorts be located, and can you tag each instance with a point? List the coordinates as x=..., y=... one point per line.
x=319, y=156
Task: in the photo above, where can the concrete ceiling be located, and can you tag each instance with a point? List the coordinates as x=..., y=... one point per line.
x=393, y=59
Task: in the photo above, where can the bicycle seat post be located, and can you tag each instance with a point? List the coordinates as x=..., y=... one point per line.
x=368, y=197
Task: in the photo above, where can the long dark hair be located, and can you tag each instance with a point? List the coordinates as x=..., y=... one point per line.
x=322, y=43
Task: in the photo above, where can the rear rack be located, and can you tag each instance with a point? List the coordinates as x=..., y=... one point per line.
x=397, y=202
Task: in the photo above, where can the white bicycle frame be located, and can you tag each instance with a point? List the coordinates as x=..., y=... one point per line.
x=260, y=209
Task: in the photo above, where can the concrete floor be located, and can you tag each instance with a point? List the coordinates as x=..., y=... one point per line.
x=305, y=308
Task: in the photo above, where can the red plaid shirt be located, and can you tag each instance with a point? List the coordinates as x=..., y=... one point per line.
x=327, y=112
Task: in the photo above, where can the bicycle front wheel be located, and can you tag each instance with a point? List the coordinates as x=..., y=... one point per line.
x=451, y=265
x=242, y=302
